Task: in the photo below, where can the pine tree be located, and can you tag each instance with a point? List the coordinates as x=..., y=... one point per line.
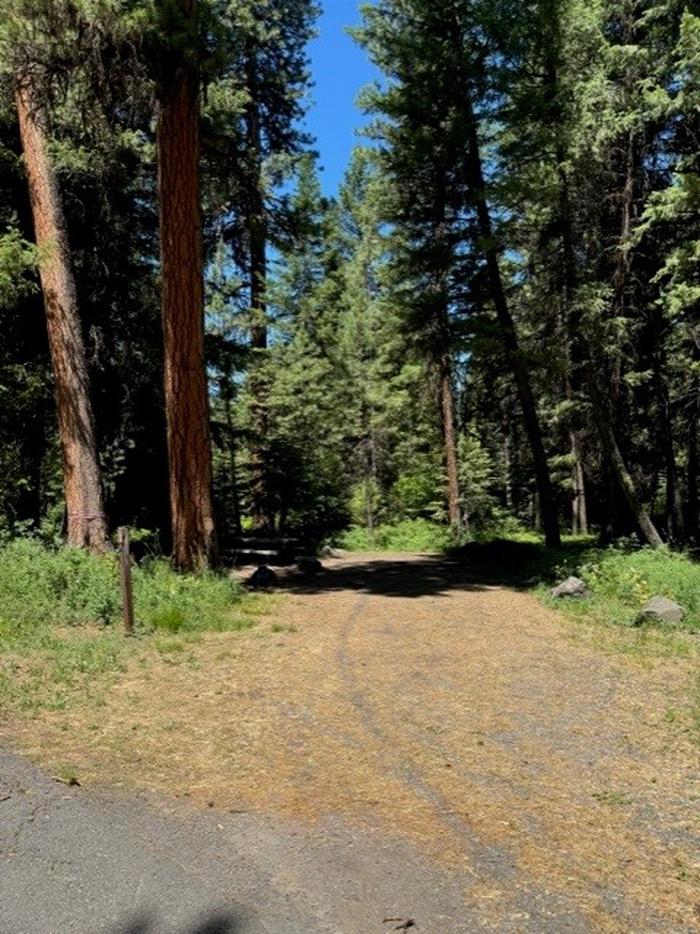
x=432, y=143
x=24, y=52
x=186, y=396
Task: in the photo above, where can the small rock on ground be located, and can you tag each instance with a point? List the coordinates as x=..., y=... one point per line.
x=571, y=587
x=661, y=610
x=309, y=565
x=262, y=578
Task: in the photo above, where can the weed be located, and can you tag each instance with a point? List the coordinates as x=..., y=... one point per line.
x=281, y=627
x=613, y=798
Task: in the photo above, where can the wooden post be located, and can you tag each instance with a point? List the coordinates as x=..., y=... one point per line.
x=125, y=575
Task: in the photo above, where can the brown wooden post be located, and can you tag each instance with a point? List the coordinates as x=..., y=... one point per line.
x=125, y=575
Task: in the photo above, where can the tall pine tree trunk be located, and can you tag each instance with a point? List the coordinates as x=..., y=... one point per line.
x=257, y=218
x=611, y=452
x=605, y=408
x=441, y=352
x=675, y=520
x=693, y=468
x=475, y=182
x=571, y=329
x=186, y=397
x=87, y=525
x=257, y=243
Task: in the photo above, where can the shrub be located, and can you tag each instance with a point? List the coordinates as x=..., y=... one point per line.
x=622, y=580
x=174, y=602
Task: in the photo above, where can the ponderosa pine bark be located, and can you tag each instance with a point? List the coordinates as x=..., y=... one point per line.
x=477, y=189
x=186, y=396
x=86, y=522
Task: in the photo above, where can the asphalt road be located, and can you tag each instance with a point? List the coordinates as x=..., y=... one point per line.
x=76, y=862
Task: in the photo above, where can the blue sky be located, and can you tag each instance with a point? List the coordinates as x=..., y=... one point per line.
x=340, y=69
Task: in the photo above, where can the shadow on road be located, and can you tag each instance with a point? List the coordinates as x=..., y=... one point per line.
x=217, y=923
x=474, y=567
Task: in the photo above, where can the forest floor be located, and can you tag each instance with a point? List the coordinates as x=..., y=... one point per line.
x=435, y=737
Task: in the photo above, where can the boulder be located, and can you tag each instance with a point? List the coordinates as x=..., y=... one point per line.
x=571, y=587
x=262, y=578
x=661, y=610
x=309, y=565
x=327, y=551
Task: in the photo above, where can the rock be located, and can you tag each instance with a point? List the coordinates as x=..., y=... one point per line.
x=571, y=587
x=309, y=565
x=262, y=578
x=329, y=552
x=661, y=610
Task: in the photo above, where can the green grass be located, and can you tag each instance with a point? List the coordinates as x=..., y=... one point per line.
x=623, y=580
x=410, y=535
x=60, y=629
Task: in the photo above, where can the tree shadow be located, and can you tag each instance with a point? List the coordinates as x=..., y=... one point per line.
x=217, y=923
x=474, y=567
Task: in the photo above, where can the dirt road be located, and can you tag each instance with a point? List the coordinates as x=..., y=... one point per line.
x=431, y=747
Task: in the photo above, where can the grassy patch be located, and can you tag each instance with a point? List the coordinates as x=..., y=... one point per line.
x=623, y=580
x=59, y=616
x=410, y=535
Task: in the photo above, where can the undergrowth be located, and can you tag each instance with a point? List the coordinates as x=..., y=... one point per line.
x=60, y=618
x=410, y=535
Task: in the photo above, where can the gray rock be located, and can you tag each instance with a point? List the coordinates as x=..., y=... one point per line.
x=262, y=578
x=661, y=610
x=309, y=565
x=329, y=552
x=571, y=587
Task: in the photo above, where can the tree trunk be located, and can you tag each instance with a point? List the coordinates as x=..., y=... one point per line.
x=507, y=470
x=475, y=181
x=693, y=521
x=257, y=242
x=454, y=506
x=572, y=339
x=611, y=450
x=580, y=506
x=257, y=218
x=674, y=499
x=370, y=469
x=186, y=397
x=233, y=470
x=605, y=409
x=86, y=520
